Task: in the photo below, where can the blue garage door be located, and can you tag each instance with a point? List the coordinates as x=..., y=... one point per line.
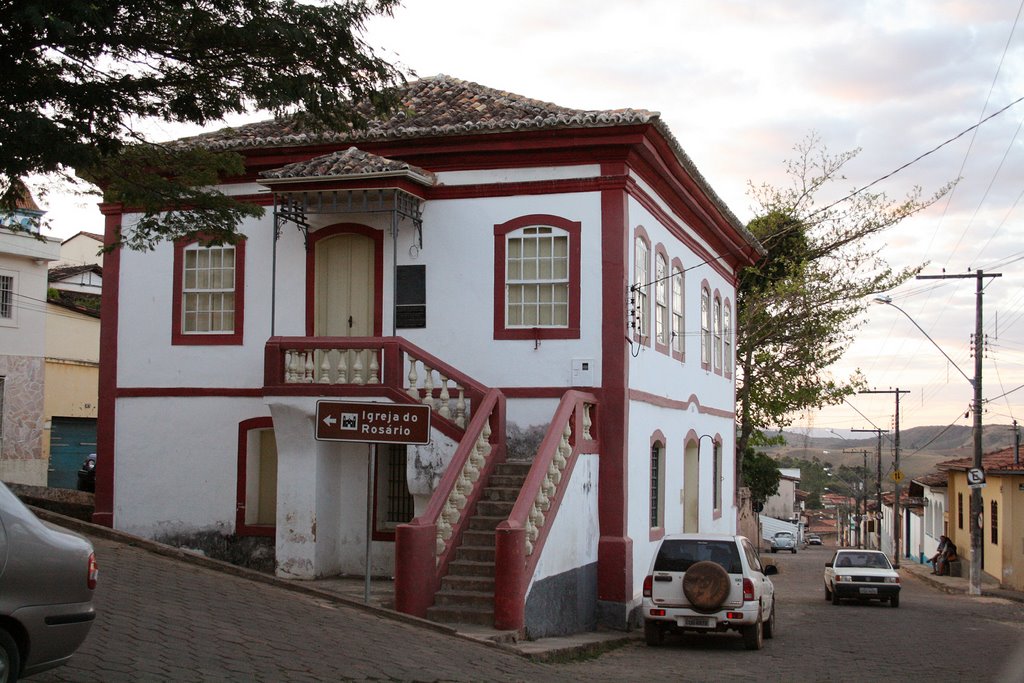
x=72, y=439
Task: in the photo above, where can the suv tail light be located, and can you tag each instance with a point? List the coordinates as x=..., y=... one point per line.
x=648, y=586
x=94, y=571
x=748, y=590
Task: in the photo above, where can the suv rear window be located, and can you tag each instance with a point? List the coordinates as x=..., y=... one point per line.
x=678, y=555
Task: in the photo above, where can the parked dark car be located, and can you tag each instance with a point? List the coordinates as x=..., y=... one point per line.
x=87, y=474
x=47, y=579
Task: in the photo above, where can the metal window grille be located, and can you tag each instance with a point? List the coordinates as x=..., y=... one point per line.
x=6, y=296
x=960, y=510
x=399, y=504
x=994, y=526
x=655, y=485
x=717, y=473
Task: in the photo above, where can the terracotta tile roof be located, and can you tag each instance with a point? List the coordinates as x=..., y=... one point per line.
x=436, y=106
x=58, y=273
x=349, y=162
x=998, y=461
x=933, y=479
x=445, y=106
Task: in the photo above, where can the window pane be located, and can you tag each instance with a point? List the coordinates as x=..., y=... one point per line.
x=537, y=257
x=208, y=299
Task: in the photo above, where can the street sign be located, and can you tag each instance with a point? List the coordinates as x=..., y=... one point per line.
x=976, y=478
x=400, y=423
x=897, y=476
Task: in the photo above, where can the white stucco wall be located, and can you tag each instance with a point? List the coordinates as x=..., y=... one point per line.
x=177, y=460
x=572, y=540
x=645, y=419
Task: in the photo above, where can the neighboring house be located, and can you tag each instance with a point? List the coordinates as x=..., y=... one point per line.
x=81, y=249
x=784, y=505
x=932, y=490
x=23, y=268
x=1002, y=504
x=72, y=359
x=557, y=285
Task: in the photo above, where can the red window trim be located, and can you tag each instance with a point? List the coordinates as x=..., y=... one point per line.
x=641, y=233
x=241, y=528
x=716, y=298
x=679, y=355
x=180, y=338
x=501, y=231
x=659, y=251
x=705, y=286
x=728, y=340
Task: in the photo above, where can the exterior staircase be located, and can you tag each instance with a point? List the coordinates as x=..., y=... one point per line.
x=467, y=592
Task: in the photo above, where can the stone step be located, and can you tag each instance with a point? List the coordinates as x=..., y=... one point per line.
x=460, y=615
x=512, y=481
x=485, y=522
x=478, y=537
x=479, y=584
x=475, y=553
x=470, y=568
x=501, y=493
x=518, y=468
x=471, y=599
x=494, y=508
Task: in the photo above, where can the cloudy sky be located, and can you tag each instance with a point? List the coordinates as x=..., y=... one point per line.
x=740, y=83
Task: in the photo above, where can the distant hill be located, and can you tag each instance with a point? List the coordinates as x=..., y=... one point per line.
x=921, y=448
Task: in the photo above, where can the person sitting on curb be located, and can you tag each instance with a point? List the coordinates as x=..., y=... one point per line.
x=948, y=555
x=943, y=542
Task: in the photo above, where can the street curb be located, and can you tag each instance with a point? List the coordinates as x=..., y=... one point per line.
x=951, y=589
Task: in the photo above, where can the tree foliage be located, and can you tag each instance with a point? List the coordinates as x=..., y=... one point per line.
x=79, y=76
x=798, y=309
x=761, y=475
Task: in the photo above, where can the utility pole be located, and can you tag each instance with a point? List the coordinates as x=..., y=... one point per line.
x=860, y=502
x=897, y=476
x=979, y=347
x=878, y=482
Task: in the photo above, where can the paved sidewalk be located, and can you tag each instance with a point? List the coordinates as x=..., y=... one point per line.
x=351, y=591
x=958, y=584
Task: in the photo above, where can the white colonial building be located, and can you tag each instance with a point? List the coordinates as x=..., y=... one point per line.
x=557, y=285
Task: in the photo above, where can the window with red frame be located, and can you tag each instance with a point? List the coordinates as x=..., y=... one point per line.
x=537, y=278
x=208, y=293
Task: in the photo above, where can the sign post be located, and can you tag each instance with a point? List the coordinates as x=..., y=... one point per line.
x=372, y=423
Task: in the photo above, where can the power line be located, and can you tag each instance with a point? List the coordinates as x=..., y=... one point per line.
x=914, y=161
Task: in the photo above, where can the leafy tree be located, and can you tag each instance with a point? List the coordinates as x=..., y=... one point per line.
x=798, y=308
x=761, y=475
x=78, y=76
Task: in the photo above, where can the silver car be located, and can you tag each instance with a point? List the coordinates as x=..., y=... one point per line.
x=47, y=579
x=784, y=540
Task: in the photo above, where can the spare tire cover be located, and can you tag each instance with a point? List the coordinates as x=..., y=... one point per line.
x=706, y=585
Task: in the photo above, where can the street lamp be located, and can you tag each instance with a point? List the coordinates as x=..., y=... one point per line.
x=887, y=300
x=974, y=587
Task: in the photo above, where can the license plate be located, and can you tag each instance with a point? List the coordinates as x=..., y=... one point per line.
x=699, y=622
x=869, y=591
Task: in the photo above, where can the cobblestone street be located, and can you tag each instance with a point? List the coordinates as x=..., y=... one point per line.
x=162, y=619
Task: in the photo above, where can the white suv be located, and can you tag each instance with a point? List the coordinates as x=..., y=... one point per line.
x=707, y=583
